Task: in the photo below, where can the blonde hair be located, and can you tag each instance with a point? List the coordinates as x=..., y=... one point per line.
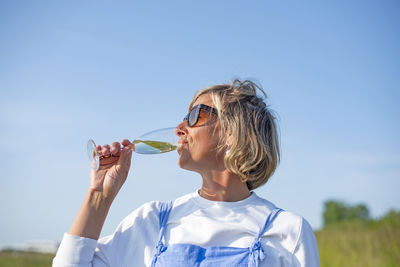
x=250, y=134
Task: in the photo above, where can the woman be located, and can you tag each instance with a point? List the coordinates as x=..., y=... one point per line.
x=230, y=138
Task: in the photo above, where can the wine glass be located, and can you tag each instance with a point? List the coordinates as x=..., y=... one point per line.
x=154, y=142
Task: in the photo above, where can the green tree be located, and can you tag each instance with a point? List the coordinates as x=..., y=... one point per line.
x=337, y=211
x=358, y=212
x=334, y=211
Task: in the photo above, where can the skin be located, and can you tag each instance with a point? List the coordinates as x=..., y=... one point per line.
x=197, y=153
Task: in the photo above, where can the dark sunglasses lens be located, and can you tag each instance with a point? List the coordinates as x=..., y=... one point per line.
x=193, y=117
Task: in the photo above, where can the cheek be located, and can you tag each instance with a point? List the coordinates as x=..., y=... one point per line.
x=196, y=147
x=214, y=138
x=199, y=145
x=209, y=146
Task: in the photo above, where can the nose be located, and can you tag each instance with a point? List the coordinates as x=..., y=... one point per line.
x=181, y=129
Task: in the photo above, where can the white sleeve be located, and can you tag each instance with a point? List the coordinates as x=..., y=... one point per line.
x=306, y=251
x=76, y=251
x=133, y=241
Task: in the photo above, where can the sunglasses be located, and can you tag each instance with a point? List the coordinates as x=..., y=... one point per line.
x=199, y=115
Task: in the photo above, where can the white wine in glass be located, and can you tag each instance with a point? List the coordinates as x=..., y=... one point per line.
x=154, y=142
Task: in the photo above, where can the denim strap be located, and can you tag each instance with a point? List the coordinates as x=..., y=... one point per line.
x=257, y=253
x=165, y=209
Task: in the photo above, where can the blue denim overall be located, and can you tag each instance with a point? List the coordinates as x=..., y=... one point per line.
x=187, y=255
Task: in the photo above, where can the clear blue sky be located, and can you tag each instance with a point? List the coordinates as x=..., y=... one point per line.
x=74, y=70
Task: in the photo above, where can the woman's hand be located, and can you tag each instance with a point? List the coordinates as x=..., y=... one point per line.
x=113, y=171
x=105, y=184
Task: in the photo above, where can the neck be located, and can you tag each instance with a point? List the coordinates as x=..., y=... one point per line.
x=223, y=186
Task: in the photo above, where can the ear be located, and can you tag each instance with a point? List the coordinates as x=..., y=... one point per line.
x=229, y=141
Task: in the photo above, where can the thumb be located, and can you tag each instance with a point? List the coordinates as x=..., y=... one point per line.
x=124, y=161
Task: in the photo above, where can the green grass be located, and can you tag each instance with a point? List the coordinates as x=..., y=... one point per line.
x=361, y=243
x=25, y=259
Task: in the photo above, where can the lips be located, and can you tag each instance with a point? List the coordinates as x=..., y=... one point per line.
x=182, y=142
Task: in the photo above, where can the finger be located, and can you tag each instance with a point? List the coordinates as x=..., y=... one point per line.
x=125, y=158
x=105, y=151
x=125, y=142
x=109, y=161
x=98, y=148
x=115, y=149
x=106, y=158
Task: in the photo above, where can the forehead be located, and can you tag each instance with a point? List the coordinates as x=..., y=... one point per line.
x=204, y=99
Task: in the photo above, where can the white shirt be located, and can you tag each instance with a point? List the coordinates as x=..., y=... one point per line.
x=289, y=241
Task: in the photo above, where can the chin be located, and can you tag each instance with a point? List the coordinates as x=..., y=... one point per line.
x=185, y=162
x=181, y=161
